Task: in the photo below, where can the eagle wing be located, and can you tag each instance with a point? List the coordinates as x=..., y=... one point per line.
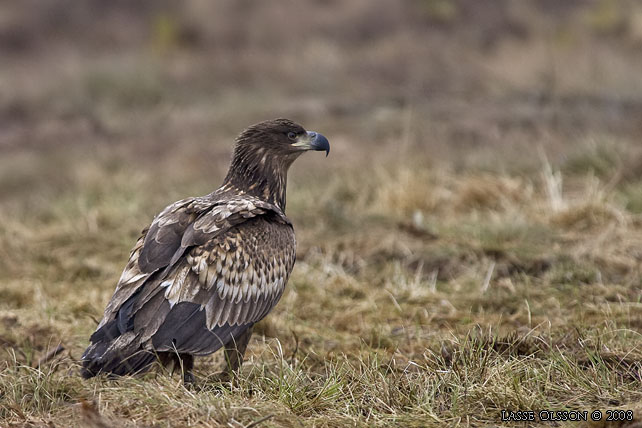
x=202, y=274
x=160, y=239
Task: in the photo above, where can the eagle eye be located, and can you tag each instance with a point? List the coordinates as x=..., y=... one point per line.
x=292, y=135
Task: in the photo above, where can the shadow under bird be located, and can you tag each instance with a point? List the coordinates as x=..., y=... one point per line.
x=208, y=268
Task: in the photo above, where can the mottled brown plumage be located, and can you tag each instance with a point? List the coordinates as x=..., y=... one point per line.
x=208, y=268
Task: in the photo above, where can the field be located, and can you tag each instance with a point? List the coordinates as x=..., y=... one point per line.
x=472, y=244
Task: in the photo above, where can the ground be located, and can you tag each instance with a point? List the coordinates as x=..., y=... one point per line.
x=472, y=244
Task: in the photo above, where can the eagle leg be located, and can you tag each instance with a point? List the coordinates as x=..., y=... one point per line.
x=234, y=353
x=188, y=365
x=184, y=362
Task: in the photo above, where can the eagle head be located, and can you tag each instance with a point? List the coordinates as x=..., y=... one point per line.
x=281, y=137
x=263, y=154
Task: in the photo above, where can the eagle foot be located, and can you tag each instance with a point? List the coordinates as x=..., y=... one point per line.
x=189, y=380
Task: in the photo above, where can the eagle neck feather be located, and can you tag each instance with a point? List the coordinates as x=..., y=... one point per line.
x=259, y=173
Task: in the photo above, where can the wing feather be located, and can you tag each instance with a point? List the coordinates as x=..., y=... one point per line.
x=165, y=241
x=204, y=272
x=239, y=298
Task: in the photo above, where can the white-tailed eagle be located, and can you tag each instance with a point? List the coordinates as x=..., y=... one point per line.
x=209, y=267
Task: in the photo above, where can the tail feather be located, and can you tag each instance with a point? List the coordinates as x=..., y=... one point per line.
x=115, y=354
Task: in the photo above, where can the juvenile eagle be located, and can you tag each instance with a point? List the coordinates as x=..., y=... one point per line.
x=208, y=268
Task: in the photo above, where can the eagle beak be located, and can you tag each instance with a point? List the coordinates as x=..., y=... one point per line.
x=313, y=141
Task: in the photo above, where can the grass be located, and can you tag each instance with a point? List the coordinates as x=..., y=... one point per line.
x=487, y=300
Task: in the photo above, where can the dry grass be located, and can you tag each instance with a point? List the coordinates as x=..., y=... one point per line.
x=446, y=309
x=473, y=242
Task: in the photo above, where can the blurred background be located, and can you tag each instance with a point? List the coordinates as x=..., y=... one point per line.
x=161, y=82
x=485, y=174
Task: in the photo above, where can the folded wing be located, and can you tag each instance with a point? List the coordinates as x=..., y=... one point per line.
x=201, y=275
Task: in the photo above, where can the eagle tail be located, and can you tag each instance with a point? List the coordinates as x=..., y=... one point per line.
x=115, y=354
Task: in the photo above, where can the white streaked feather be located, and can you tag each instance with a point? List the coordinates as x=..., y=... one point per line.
x=125, y=279
x=245, y=296
x=202, y=276
x=254, y=292
x=211, y=278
